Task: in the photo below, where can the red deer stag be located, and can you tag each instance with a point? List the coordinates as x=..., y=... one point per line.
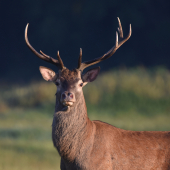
x=95, y=145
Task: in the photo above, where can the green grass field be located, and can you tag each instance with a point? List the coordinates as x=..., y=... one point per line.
x=25, y=141
x=136, y=99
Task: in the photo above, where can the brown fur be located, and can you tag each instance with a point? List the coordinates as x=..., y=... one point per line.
x=69, y=75
x=93, y=145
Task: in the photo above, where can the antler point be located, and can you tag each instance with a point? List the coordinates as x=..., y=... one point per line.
x=118, y=19
x=116, y=39
x=26, y=28
x=130, y=29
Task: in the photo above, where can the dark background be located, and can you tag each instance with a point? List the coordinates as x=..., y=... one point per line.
x=68, y=25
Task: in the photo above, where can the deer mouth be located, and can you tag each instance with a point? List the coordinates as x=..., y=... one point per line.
x=67, y=103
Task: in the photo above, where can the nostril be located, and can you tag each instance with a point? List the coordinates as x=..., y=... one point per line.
x=70, y=95
x=63, y=96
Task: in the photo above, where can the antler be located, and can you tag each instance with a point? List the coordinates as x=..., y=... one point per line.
x=118, y=43
x=58, y=63
x=80, y=58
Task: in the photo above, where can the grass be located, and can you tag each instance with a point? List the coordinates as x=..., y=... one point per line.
x=25, y=141
x=135, y=99
x=24, y=155
x=25, y=136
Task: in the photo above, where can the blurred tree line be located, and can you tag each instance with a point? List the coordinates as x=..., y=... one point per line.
x=68, y=25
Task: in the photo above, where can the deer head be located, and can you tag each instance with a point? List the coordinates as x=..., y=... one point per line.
x=70, y=82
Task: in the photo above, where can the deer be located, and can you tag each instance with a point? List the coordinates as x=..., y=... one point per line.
x=95, y=145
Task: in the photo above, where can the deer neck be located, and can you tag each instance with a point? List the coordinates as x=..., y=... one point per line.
x=70, y=128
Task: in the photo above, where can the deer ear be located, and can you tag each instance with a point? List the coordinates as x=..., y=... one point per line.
x=47, y=74
x=91, y=75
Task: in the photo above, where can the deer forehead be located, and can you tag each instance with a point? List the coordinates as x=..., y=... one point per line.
x=69, y=75
x=69, y=78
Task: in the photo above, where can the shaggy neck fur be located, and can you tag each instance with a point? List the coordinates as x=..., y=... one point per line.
x=70, y=129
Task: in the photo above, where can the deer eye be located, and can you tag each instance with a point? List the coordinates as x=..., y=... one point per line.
x=81, y=84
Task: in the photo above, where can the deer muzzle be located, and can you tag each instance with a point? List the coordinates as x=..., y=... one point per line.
x=67, y=98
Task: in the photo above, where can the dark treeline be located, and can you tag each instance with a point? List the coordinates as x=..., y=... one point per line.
x=68, y=25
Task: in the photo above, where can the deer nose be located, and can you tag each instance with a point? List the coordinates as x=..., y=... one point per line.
x=70, y=95
x=67, y=96
x=63, y=96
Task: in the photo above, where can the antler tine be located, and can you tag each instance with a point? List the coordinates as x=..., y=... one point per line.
x=80, y=58
x=58, y=56
x=60, y=60
x=111, y=51
x=43, y=56
x=120, y=28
